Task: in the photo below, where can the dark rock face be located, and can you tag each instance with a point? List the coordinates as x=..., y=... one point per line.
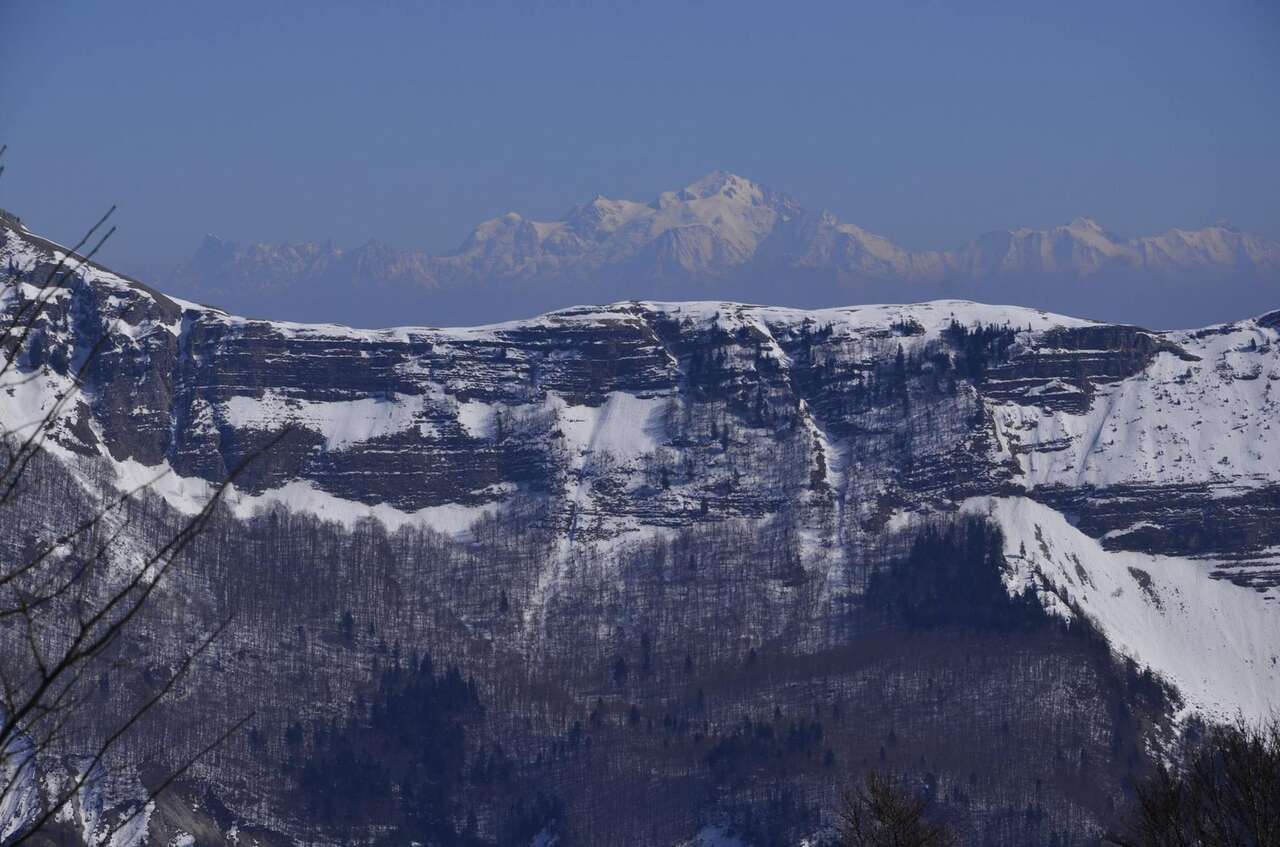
x=1061, y=370
x=1234, y=530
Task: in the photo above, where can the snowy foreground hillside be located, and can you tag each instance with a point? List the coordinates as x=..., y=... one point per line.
x=655, y=521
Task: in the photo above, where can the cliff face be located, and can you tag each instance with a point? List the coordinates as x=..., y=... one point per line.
x=663, y=414
x=605, y=435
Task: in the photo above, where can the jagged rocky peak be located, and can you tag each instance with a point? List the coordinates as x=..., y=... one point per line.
x=718, y=183
x=716, y=223
x=211, y=246
x=741, y=217
x=1087, y=224
x=601, y=215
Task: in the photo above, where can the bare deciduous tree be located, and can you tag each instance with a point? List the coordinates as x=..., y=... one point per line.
x=1225, y=794
x=74, y=592
x=879, y=812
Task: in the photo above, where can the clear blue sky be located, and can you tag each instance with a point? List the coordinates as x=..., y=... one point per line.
x=927, y=122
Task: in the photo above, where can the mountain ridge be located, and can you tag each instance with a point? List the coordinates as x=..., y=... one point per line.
x=736, y=217
x=642, y=503
x=726, y=237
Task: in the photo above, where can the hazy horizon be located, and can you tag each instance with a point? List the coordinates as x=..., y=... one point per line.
x=923, y=123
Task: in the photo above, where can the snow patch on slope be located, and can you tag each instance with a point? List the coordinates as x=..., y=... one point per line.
x=342, y=423
x=624, y=426
x=453, y=519
x=932, y=316
x=1216, y=420
x=1217, y=642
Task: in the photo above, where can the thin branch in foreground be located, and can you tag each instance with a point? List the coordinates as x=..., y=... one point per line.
x=109, y=743
x=43, y=701
x=90, y=641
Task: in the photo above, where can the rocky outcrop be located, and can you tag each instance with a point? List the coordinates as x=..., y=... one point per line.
x=1059, y=369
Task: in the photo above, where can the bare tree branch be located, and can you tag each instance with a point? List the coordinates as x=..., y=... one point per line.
x=52, y=600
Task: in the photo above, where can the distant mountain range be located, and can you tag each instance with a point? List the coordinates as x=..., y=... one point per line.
x=721, y=236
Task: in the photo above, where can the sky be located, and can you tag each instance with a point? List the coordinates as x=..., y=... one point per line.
x=928, y=122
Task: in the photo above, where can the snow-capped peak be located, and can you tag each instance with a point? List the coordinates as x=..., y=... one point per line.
x=717, y=184
x=722, y=220
x=1082, y=222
